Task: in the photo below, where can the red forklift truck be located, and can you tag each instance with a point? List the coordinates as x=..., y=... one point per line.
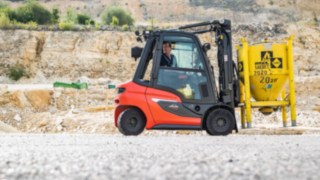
x=183, y=97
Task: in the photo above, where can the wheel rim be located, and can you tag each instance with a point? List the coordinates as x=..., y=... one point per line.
x=221, y=122
x=132, y=122
x=221, y=125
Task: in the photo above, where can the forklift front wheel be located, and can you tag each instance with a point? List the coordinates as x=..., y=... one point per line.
x=131, y=122
x=220, y=122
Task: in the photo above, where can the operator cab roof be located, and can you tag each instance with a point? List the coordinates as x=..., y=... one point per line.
x=173, y=38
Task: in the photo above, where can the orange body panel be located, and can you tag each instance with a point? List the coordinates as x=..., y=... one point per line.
x=134, y=96
x=144, y=98
x=163, y=117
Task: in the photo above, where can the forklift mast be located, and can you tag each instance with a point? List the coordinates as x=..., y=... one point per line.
x=229, y=92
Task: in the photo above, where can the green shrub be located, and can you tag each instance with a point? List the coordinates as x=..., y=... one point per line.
x=51, y=27
x=115, y=21
x=9, y=12
x=83, y=19
x=92, y=22
x=4, y=21
x=29, y=26
x=32, y=25
x=16, y=72
x=125, y=27
x=55, y=15
x=32, y=11
x=119, y=13
x=71, y=16
x=66, y=25
x=19, y=25
x=97, y=26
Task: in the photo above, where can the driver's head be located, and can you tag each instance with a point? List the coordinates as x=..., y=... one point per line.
x=166, y=47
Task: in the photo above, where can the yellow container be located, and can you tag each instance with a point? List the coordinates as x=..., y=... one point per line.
x=268, y=70
x=265, y=69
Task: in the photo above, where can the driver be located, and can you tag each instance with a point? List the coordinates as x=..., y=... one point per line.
x=167, y=59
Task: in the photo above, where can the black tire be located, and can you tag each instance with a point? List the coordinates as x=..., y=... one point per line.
x=131, y=122
x=220, y=122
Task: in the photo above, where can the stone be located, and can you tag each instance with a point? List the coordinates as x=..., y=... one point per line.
x=19, y=100
x=39, y=99
x=4, y=100
x=59, y=120
x=3, y=88
x=59, y=128
x=43, y=123
x=17, y=118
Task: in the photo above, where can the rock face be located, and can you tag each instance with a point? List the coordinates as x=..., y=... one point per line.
x=52, y=55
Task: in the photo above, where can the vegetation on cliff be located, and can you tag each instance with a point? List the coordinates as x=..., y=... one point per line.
x=32, y=13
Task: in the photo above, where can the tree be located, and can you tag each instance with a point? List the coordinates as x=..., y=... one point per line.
x=116, y=11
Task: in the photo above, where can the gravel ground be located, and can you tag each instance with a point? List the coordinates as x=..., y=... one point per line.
x=67, y=156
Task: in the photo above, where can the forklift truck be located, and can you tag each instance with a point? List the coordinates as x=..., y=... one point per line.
x=184, y=97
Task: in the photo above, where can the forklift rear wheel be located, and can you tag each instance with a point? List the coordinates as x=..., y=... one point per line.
x=131, y=122
x=220, y=122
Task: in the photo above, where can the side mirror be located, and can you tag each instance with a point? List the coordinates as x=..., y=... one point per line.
x=206, y=47
x=136, y=52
